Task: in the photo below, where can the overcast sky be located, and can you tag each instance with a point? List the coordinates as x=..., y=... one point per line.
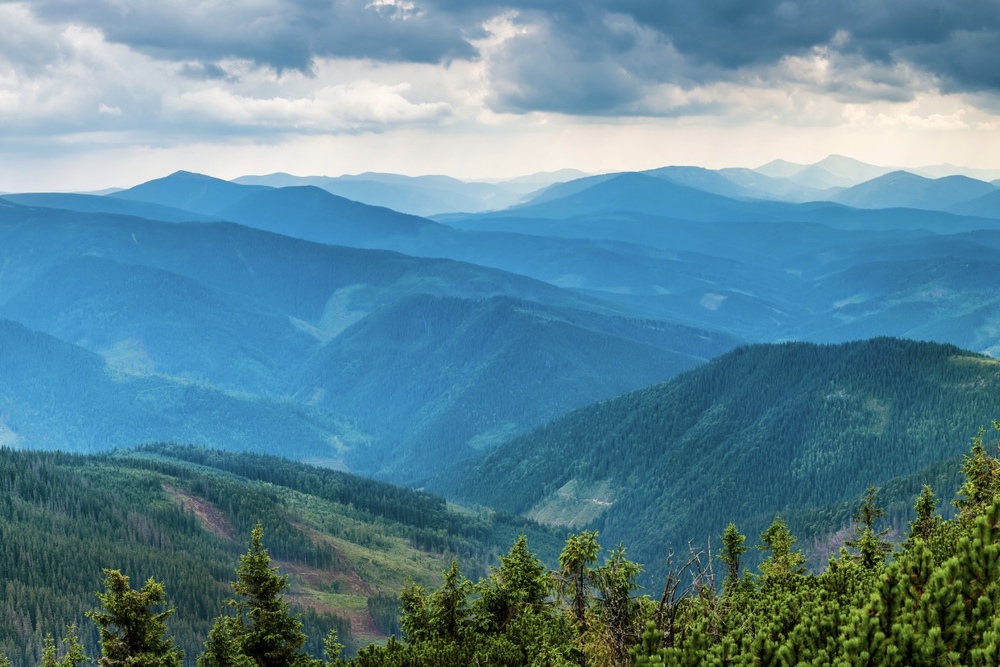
x=98, y=93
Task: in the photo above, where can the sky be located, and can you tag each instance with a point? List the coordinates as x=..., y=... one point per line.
x=103, y=93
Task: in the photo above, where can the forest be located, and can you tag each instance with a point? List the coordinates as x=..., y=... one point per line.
x=183, y=514
x=929, y=599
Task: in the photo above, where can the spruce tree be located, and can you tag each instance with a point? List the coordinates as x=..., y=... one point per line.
x=73, y=656
x=927, y=521
x=265, y=629
x=872, y=547
x=733, y=548
x=131, y=634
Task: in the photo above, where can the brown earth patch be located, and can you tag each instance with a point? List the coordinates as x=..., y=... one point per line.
x=208, y=515
x=362, y=626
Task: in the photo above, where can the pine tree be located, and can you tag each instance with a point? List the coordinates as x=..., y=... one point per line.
x=982, y=480
x=927, y=521
x=131, y=634
x=74, y=655
x=264, y=629
x=332, y=648
x=872, y=547
x=221, y=647
x=783, y=562
x=733, y=548
x=578, y=554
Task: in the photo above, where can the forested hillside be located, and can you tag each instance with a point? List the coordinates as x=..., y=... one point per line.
x=926, y=597
x=183, y=515
x=211, y=332
x=761, y=430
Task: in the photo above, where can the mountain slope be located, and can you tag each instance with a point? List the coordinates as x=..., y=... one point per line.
x=445, y=378
x=416, y=195
x=189, y=191
x=150, y=320
x=184, y=516
x=242, y=310
x=901, y=189
x=987, y=206
x=54, y=395
x=313, y=214
x=106, y=204
x=753, y=433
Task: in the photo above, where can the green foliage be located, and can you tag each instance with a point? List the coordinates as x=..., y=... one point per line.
x=926, y=521
x=264, y=629
x=132, y=634
x=934, y=603
x=512, y=621
x=982, y=479
x=782, y=562
x=73, y=655
x=809, y=425
x=575, y=574
x=174, y=513
x=733, y=548
x=872, y=547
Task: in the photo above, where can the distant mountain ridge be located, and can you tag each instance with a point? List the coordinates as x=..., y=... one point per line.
x=421, y=195
x=906, y=190
x=218, y=311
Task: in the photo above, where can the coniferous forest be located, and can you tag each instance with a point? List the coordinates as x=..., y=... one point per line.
x=928, y=598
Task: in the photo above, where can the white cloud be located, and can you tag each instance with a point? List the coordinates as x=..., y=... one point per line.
x=358, y=106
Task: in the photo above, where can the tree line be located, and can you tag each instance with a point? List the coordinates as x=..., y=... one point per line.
x=929, y=600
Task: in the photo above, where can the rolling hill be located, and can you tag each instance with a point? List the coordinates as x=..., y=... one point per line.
x=223, y=312
x=183, y=515
x=189, y=191
x=758, y=431
x=901, y=189
x=444, y=379
x=54, y=395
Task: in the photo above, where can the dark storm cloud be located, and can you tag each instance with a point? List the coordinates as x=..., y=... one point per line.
x=954, y=43
x=283, y=34
x=579, y=56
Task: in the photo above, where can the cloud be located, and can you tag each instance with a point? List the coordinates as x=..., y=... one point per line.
x=282, y=34
x=361, y=106
x=266, y=68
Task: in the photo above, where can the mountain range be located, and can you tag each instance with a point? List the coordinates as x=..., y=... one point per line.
x=649, y=354
x=404, y=342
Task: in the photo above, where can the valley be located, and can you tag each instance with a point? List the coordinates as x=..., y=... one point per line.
x=651, y=355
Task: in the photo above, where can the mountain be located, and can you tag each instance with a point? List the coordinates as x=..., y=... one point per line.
x=184, y=515
x=986, y=206
x=903, y=189
x=86, y=203
x=755, y=432
x=189, y=191
x=831, y=171
x=54, y=395
x=313, y=214
x=617, y=196
x=417, y=195
x=149, y=320
x=251, y=317
x=444, y=378
x=539, y=180
x=762, y=186
x=702, y=179
x=940, y=170
x=632, y=192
